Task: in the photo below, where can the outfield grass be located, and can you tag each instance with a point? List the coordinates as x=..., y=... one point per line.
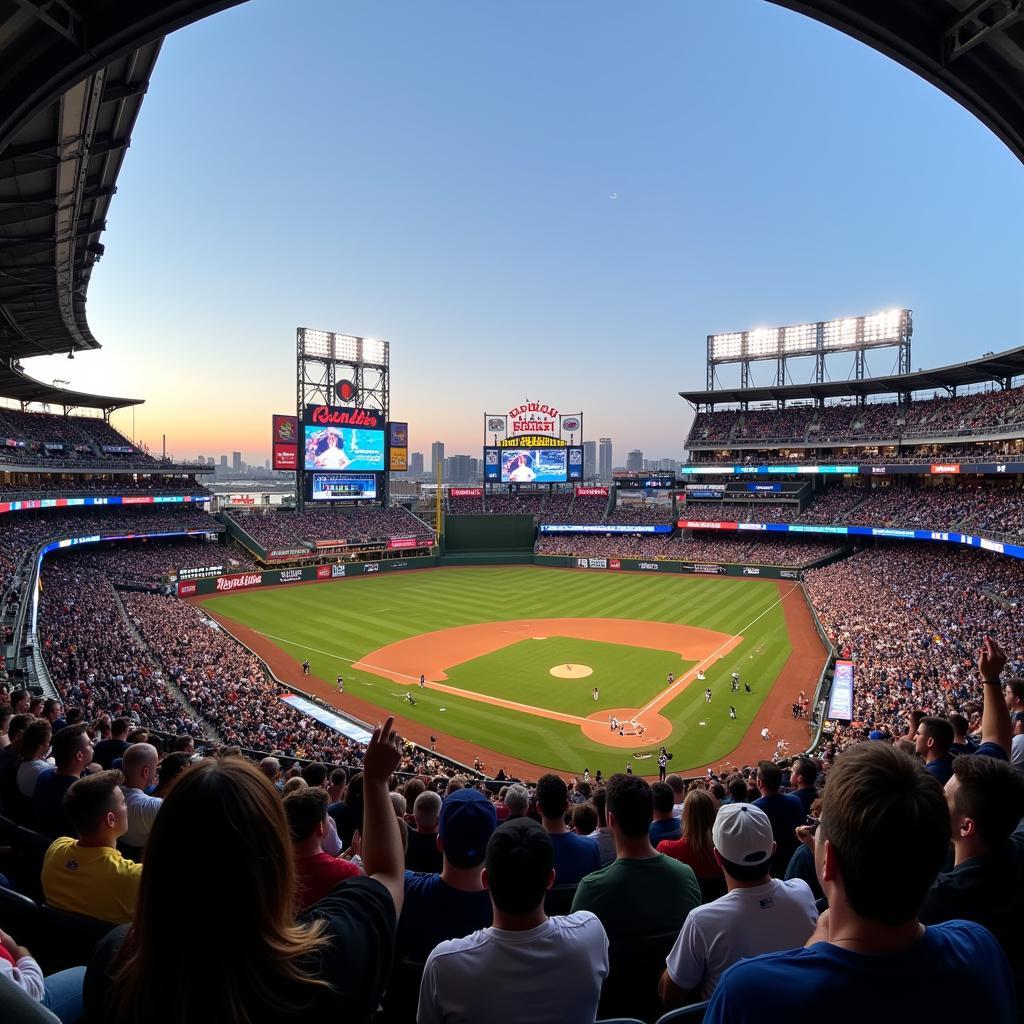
x=337, y=623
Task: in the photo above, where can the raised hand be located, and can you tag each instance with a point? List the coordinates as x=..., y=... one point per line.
x=991, y=661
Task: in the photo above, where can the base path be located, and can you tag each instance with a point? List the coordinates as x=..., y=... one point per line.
x=432, y=654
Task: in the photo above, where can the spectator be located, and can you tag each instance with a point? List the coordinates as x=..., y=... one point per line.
x=336, y=786
x=575, y=856
x=665, y=824
x=9, y=757
x=1017, y=743
x=758, y=914
x=584, y=819
x=423, y=853
x=316, y=872
x=962, y=742
x=986, y=885
x=20, y=701
x=271, y=768
x=168, y=770
x=883, y=837
x=517, y=970
x=61, y=993
x=803, y=775
x=517, y=800
x=932, y=742
x=6, y=714
x=696, y=846
x=35, y=745
x=785, y=812
x=603, y=835
x=88, y=875
x=678, y=794
x=330, y=963
x=72, y=755
x=737, y=790
x=108, y=750
x=53, y=712
x=453, y=903
x=139, y=765
x=642, y=892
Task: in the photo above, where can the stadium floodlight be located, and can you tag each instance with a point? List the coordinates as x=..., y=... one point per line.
x=762, y=342
x=877, y=330
x=375, y=351
x=799, y=338
x=316, y=344
x=346, y=348
x=726, y=346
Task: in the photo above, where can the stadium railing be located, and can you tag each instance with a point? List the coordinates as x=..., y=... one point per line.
x=830, y=660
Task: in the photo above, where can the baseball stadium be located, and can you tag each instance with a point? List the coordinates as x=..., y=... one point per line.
x=374, y=693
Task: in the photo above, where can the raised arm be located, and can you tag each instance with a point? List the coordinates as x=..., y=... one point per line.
x=383, y=858
x=995, y=717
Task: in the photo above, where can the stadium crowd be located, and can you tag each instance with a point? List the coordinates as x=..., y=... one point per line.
x=886, y=421
x=440, y=899
x=56, y=483
x=360, y=525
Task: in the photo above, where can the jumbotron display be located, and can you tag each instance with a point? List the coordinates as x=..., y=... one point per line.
x=533, y=443
x=343, y=439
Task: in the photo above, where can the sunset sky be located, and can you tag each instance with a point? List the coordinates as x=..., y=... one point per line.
x=529, y=200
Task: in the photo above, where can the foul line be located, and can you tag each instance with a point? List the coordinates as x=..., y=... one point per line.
x=685, y=678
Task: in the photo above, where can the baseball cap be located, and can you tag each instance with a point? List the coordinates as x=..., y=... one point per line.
x=742, y=834
x=467, y=820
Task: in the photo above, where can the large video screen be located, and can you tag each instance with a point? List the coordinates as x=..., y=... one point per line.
x=533, y=465
x=344, y=448
x=342, y=487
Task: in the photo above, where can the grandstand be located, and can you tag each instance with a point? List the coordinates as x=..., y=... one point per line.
x=895, y=503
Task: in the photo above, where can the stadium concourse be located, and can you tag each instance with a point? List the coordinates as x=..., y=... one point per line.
x=152, y=780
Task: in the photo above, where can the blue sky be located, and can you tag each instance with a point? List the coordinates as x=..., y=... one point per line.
x=440, y=175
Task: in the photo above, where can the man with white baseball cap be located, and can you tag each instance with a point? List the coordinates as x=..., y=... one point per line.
x=758, y=914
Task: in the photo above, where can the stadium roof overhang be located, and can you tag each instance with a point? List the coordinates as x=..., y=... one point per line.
x=973, y=50
x=72, y=77
x=19, y=386
x=998, y=366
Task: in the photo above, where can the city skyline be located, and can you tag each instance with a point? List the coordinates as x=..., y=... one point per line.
x=565, y=221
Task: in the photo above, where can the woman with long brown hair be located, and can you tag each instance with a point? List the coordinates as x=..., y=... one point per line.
x=696, y=847
x=215, y=936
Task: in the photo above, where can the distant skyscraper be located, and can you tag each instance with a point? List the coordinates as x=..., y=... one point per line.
x=460, y=469
x=635, y=461
x=224, y=462
x=210, y=461
x=589, y=460
x=604, y=468
x=236, y=462
x=416, y=463
x=436, y=457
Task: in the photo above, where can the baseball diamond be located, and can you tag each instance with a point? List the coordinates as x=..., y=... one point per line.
x=486, y=640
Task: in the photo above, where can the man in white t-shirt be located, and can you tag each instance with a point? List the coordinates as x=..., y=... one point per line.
x=758, y=914
x=516, y=970
x=138, y=763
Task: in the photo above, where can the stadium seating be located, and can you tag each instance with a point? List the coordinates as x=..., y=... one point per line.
x=349, y=526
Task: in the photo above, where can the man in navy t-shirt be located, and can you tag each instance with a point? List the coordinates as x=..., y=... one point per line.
x=883, y=837
x=454, y=903
x=575, y=856
x=785, y=812
x=933, y=740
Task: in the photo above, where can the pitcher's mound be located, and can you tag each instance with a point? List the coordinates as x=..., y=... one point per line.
x=572, y=671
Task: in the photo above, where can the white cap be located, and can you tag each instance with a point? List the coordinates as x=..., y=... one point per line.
x=742, y=834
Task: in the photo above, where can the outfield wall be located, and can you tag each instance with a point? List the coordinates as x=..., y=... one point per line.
x=669, y=565
x=303, y=574
x=489, y=533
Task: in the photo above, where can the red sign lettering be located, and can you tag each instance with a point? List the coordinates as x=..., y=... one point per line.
x=591, y=492
x=466, y=492
x=325, y=415
x=286, y=456
x=402, y=542
x=240, y=582
x=614, y=563
x=689, y=524
x=184, y=589
x=942, y=467
x=323, y=572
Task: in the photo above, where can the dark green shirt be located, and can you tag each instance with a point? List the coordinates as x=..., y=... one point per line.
x=639, y=897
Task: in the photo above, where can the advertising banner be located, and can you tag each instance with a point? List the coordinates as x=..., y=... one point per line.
x=241, y=581
x=591, y=563
x=591, y=492
x=323, y=572
x=700, y=524
x=398, y=460
x=341, y=486
x=840, y=700
x=397, y=543
x=398, y=434
x=605, y=528
x=466, y=492
x=197, y=573
x=285, y=457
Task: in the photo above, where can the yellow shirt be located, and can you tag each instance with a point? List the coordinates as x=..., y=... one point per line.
x=93, y=880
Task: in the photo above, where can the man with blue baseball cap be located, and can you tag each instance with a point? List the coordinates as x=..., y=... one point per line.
x=453, y=903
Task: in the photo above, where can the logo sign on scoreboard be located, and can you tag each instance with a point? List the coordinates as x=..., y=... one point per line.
x=285, y=442
x=533, y=443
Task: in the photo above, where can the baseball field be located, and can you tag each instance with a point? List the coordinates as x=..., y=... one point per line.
x=526, y=666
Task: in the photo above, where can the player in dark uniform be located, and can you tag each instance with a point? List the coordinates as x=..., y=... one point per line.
x=662, y=764
x=305, y=667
